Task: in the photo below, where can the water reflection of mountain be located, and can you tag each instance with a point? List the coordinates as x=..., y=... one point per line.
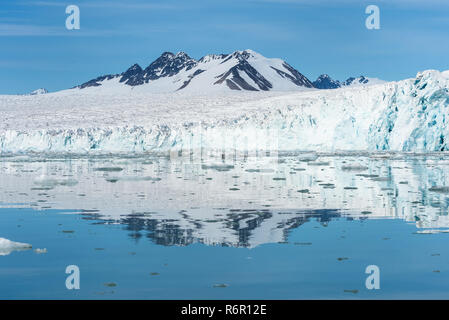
x=232, y=201
x=240, y=226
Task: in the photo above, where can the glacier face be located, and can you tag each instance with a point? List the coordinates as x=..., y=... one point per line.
x=414, y=116
x=408, y=115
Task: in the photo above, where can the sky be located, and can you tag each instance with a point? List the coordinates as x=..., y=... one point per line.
x=314, y=36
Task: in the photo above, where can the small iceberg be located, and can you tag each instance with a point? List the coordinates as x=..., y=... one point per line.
x=354, y=167
x=41, y=251
x=432, y=231
x=8, y=246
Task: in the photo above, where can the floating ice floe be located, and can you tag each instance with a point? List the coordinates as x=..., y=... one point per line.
x=439, y=189
x=432, y=231
x=51, y=183
x=354, y=167
x=8, y=246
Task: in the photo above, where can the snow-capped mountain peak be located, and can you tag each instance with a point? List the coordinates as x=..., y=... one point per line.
x=361, y=81
x=211, y=57
x=247, y=54
x=167, y=65
x=324, y=81
x=38, y=91
x=352, y=81
x=240, y=70
x=133, y=76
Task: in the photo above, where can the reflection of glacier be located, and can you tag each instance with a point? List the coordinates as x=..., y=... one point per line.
x=236, y=201
x=408, y=115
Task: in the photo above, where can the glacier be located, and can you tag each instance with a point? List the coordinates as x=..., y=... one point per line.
x=404, y=116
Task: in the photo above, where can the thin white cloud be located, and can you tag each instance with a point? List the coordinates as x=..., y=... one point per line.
x=257, y=29
x=18, y=30
x=44, y=4
x=103, y=4
x=401, y=3
x=11, y=29
x=33, y=30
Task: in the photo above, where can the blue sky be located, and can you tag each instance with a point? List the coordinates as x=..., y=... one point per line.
x=314, y=36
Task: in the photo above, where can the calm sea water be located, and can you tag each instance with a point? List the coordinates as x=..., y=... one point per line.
x=299, y=226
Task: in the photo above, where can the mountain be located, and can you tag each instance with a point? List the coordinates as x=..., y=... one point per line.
x=361, y=81
x=38, y=91
x=241, y=70
x=324, y=81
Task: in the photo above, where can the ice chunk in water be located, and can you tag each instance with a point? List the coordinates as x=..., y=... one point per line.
x=8, y=246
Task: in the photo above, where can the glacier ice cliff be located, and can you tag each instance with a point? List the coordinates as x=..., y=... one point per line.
x=408, y=115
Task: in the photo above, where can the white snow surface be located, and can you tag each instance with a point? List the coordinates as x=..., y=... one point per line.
x=408, y=115
x=8, y=246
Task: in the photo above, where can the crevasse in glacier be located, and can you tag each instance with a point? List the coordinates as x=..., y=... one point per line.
x=408, y=115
